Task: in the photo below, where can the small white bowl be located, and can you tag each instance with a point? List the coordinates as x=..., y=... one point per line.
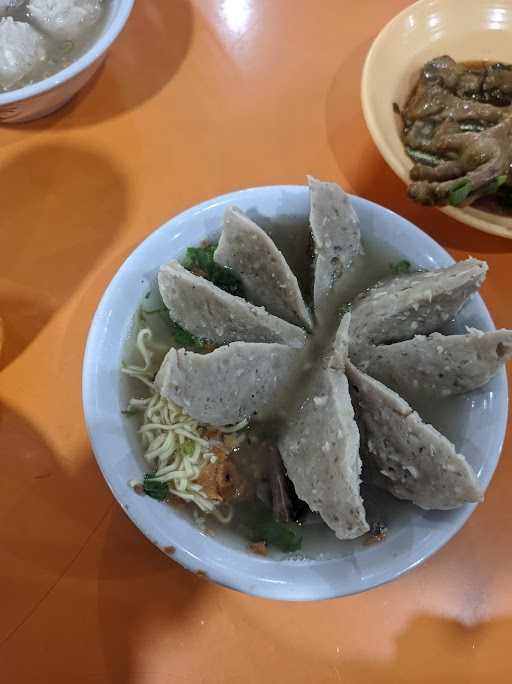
x=45, y=97
x=413, y=534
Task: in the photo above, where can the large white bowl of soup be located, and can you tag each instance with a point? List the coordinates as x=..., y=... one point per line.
x=303, y=560
x=49, y=50
x=475, y=34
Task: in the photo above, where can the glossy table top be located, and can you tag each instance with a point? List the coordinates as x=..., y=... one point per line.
x=197, y=99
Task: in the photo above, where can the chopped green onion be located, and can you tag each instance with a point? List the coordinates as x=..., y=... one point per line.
x=463, y=189
x=423, y=157
x=67, y=46
x=184, y=339
x=472, y=127
x=200, y=261
x=284, y=537
x=154, y=488
x=402, y=266
x=459, y=192
x=188, y=447
x=199, y=257
x=227, y=280
x=261, y=526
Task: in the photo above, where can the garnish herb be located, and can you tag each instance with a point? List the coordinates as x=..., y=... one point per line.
x=402, y=266
x=423, y=157
x=261, y=526
x=199, y=260
x=459, y=192
x=154, y=488
x=182, y=338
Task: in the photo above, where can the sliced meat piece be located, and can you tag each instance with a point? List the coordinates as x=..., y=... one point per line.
x=416, y=303
x=470, y=84
x=427, y=137
x=267, y=278
x=412, y=460
x=280, y=486
x=208, y=312
x=337, y=238
x=444, y=70
x=457, y=140
x=453, y=76
x=229, y=384
x=440, y=365
x=482, y=158
x=498, y=78
x=433, y=102
x=320, y=449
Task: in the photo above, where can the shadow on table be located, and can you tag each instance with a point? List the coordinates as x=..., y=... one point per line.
x=49, y=515
x=79, y=575
x=145, y=58
x=369, y=175
x=141, y=596
x=45, y=518
x=61, y=208
x=381, y=185
x=435, y=649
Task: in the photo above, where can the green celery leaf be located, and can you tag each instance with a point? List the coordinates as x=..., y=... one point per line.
x=200, y=261
x=423, y=157
x=402, y=266
x=261, y=526
x=182, y=338
x=155, y=489
x=459, y=192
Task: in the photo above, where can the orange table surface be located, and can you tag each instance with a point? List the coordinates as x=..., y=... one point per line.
x=197, y=99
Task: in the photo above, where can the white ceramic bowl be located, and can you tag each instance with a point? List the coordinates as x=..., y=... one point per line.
x=413, y=534
x=468, y=30
x=46, y=96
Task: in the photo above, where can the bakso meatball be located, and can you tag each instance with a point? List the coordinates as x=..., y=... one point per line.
x=22, y=50
x=65, y=19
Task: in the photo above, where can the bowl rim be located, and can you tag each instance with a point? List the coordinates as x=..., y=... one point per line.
x=481, y=220
x=96, y=50
x=225, y=575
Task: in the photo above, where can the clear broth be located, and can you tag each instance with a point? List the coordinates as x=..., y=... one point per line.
x=374, y=265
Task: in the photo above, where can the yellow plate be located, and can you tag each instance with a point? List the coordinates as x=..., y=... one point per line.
x=464, y=29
